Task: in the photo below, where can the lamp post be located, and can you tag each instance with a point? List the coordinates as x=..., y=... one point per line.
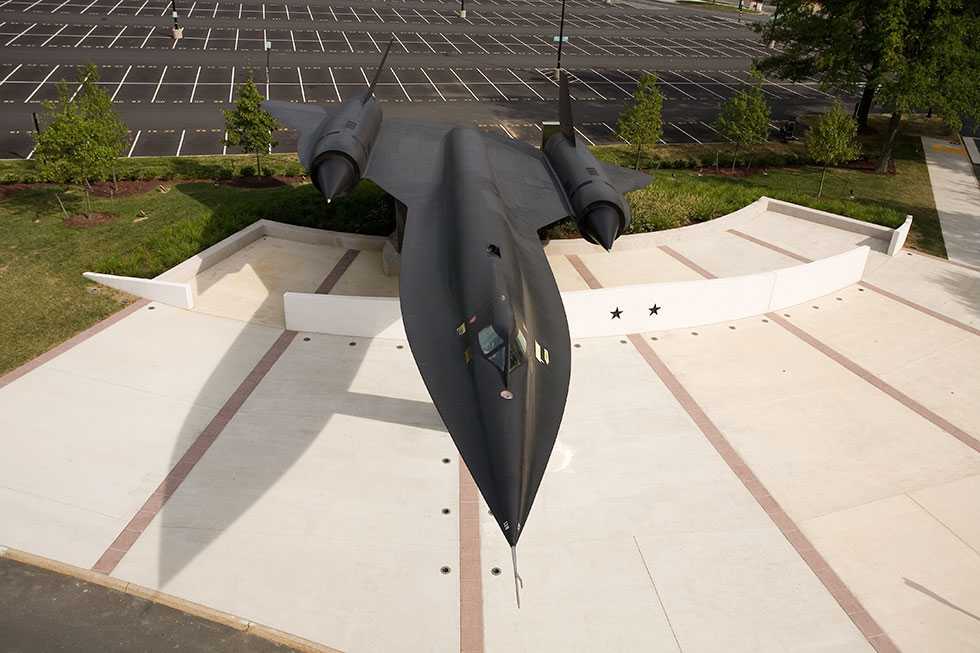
x=462, y=8
x=268, y=50
x=177, y=32
x=561, y=39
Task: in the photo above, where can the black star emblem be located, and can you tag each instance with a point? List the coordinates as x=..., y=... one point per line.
x=654, y=310
x=616, y=313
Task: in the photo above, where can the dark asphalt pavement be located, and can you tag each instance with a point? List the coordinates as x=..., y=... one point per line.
x=490, y=69
x=45, y=612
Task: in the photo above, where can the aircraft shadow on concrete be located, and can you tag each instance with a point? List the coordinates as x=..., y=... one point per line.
x=250, y=477
x=928, y=592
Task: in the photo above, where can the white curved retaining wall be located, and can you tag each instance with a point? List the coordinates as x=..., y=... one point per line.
x=683, y=303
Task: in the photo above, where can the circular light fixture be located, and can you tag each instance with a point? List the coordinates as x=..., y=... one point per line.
x=506, y=394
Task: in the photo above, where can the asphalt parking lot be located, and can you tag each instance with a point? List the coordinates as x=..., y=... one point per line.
x=491, y=69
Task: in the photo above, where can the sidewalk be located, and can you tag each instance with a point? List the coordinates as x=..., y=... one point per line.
x=957, y=196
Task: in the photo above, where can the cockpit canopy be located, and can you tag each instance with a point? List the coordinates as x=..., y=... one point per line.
x=506, y=351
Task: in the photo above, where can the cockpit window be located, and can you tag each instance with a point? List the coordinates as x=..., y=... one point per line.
x=489, y=339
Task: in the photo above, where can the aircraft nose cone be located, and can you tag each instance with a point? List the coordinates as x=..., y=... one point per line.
x=334, y=176
x=602, y=225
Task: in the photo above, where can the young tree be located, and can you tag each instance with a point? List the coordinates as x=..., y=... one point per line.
x=641, y=122
x=250, y=126
x=744, y=118
x=832, y=140
x=83, y=136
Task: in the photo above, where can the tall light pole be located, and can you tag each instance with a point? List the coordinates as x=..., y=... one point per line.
x=268, y=50
x=177, y=32
x=561, y=39
x=462, y=8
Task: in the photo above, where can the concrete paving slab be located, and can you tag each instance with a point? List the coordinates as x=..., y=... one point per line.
x=956, y=504
x=330, y=497
x=810, y=239
x=634, y=485
x=248, y=285
x=912, y=351
x=918, y=579
x=565, y=274
x=636, y=266
x=775, y=397
x=957, y=195
x=366, y=278
x=89, y=433
x=726, y=255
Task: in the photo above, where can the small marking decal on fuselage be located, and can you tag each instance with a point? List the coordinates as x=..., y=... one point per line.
x=541, y=353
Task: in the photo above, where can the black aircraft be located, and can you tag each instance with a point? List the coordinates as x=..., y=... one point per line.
x=481, y=309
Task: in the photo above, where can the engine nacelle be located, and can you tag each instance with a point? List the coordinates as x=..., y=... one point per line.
x=337, y=152
x=600, y=210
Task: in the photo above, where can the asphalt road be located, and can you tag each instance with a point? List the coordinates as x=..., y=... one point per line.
x=490, y=69
x=44, y=611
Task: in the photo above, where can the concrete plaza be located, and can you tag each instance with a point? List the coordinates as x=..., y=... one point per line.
x=802, y=480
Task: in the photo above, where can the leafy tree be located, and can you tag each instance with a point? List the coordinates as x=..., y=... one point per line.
x=931, y=58
x=641, y=122
x=839, y=42
x=744, y=118
x=83, y=137
x=249, y=126
x=832, y=140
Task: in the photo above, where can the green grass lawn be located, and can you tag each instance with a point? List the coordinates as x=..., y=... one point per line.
x=44, y=300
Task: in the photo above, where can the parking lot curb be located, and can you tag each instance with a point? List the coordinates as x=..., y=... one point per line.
x=183, y=605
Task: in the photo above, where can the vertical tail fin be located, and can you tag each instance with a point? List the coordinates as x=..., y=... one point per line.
x=565, y=108
x=377, y=73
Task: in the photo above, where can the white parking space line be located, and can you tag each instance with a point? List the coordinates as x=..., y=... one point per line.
x=675, y=126
x=395, y=34
x=505, y=18
x=587, y=139
x=231, y=85
x=502, y=44
x=88, y=7
x=345, y=38
x=355, y=15
x=214, y=13
x=444, y=38
x=236, y=39
x=525, y=84
x=180, y=143
x=507, y=131
x=108, y=13
x=148, y=35
x=263, y=11
x=331, y=13
x=120, y=85
x=426, y=43
x=744, y=83
x=616, y=134
x=142, y=7
x=625, y=92
x=157, y=90
x=194, y=6
x=373, y=42
x=551, y=79
x=400, y=84
x=336, y=89
x=38, y=88
x=581, y=81
x=197, y=76
x=32, y=5
x=492, y=84
x=10, y=74
x=477, y=44
x=224, y=143
x=433, y=85
x=62, y=5
x=59, y=32
x=310, y=12
x=380, y=19
x=468, y=89
x=704, y=124
x=302, y=89
x=33, y=25
x=206, y=39
x=286, y=7
x=292, y=39
x=135, y=141
x=419, y=14
x=239, y=11
x=689, y=81
x=86, y=35
x=529, y=47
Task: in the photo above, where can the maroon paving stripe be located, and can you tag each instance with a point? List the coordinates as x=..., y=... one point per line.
x=583, y=271
x=338, y=271
x=848, y=602
x=877, y=382
x=470, y=574
x=775, y=248
x=686, y=261
x=151, y=507
x=34, y=363
x=831, y=581
x=870, y=286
